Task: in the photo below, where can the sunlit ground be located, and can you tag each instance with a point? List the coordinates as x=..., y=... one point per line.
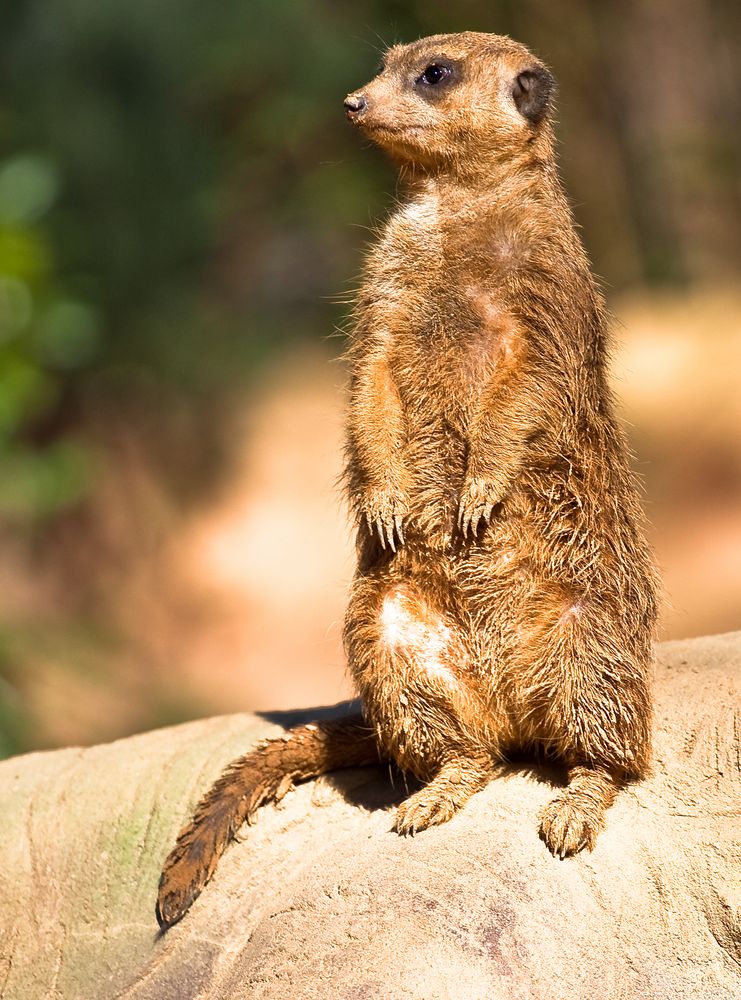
x=239, y=605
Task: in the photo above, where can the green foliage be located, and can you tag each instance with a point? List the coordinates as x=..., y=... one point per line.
x=174, y=199
x=44, y=337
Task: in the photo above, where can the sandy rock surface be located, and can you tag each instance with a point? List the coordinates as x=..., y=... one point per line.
x=321, y=900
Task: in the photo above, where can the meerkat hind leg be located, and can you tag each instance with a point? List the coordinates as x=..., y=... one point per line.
x=453, y=785
x=572, y=820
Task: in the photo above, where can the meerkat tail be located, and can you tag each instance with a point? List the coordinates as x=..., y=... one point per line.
x=263, y=775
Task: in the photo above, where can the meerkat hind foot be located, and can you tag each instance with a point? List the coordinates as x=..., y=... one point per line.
x=572, y=821
x=441, y=798
x=567, y=827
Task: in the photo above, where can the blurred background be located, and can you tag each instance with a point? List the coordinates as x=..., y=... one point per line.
x=183, y=211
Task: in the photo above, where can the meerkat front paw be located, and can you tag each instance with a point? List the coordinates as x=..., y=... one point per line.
x=569, y=824
x=478, y=500
x=384, y=512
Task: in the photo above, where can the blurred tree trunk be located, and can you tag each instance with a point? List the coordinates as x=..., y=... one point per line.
x=652, y=147
x=676, y=69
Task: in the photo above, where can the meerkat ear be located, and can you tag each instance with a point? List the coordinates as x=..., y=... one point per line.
x=532, y=92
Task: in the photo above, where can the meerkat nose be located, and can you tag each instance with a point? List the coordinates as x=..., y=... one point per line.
x=355, y=104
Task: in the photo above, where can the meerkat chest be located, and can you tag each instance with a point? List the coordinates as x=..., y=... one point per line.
x=443, y=306
x=431, y=258
x=409, y=260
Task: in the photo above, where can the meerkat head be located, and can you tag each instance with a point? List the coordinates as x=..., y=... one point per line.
x=449, y=100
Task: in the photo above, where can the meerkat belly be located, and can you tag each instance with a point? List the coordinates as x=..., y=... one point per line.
x=443, y=373
x=435, y=459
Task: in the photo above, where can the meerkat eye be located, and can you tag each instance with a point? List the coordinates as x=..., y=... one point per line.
x=434, y=74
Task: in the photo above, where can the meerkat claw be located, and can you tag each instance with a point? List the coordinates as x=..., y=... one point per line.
x=380, y=532
x=390, y=535
x=463, y=520
x=385, y=523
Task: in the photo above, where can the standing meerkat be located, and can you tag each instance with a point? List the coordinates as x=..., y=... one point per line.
x=505, y=597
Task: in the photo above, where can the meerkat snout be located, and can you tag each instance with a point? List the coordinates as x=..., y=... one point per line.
x=355, y=104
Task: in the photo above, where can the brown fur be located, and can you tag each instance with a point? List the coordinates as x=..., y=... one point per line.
x=505, y=597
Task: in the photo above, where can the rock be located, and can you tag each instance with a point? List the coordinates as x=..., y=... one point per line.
x=321, y=900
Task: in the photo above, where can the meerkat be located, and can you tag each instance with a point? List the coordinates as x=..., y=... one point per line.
x=505, y=597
